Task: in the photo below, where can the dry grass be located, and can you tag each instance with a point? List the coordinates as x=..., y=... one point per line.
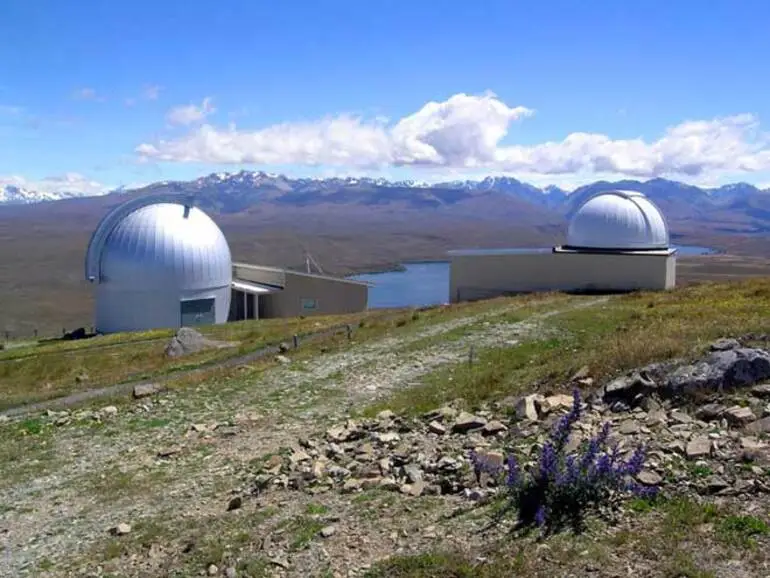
x=55, y=369
x=628, y=332
x=679, y=538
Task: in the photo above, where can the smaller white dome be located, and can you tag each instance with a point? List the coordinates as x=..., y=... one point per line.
x=618, y=220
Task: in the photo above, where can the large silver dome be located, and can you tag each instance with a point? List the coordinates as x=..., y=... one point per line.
x=617, y=220
x=159, y=262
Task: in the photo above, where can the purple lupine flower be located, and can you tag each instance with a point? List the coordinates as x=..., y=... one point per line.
x=635, y=463
x=548, y=462
x=512, y=478
x=594, y=446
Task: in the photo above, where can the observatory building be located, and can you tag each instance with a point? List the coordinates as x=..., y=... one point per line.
x=158, y=261
x=616, y=241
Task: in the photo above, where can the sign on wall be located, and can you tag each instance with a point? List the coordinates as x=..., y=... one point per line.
x=309, y=304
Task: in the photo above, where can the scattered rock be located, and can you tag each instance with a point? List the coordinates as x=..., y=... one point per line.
x=698, y=447
x=494, y=427
x=466, y=422
x=235, y=503
x=436, y=428
x=328, y=531
x=526, y=407
x=146, y=390
x=187, y=340
x=738, y=415
x=649, y=478
x=121, y=529
x=212, y=570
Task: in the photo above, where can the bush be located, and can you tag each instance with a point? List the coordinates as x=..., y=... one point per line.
x=561, y=488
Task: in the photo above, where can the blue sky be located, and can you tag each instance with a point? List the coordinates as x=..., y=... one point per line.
x=92, y=92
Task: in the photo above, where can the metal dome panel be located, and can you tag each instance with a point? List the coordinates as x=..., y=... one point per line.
x=158, y=263
x=618, y=220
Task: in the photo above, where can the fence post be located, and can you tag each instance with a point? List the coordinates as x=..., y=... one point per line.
x=35, y=332
x=295, y=340
x=471, y=352
x=349, y=330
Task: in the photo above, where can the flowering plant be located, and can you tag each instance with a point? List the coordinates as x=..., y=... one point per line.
x=561, y=488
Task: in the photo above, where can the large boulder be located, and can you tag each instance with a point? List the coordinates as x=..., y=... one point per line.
x=722, y=369
x=187, y=340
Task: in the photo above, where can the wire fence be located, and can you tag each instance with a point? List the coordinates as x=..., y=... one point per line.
x=11, y=336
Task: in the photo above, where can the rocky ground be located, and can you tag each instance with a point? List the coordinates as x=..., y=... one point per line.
x=268, y=475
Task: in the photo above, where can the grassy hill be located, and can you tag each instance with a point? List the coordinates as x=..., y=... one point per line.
x=349, y=457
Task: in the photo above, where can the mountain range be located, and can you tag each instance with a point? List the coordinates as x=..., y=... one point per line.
x=739, y=207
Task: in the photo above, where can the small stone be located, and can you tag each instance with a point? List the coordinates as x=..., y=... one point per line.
x=467, y=421
x=328, y=531
x=710, y=411
x=555, y=402
x=725, y=344
x=629, y=427
x=698, y=447
x=413, y=473
x=351, y=485
x=282, y=359
x=680, y=417
x=494, y=427
x=235, y=503
x=213, y=570
x=738, y=415
x=389, y=437
x=416, y=489
x=385, y=415
x=231, y=572
x=110, y=410
x=121, y=529
x=649, y=478
x=299, y=456
x=761, y=390
x=526, y=407
x=436, y=428
x=759, y=426
x=146, y=390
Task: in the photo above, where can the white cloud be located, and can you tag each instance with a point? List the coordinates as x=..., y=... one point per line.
x=190, y=113
x=66, y=183
x=87, y=94
x=151, y=92
x=465, y=133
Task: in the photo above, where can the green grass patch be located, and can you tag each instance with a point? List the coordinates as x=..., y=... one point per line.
x=624, y=333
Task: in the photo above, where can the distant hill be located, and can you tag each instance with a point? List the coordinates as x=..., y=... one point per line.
x=735, y=208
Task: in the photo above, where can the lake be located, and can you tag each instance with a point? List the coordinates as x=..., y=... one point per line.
x=423, y=284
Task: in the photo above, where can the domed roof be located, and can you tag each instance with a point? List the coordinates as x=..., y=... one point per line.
x=154, y=245
x=618, y=220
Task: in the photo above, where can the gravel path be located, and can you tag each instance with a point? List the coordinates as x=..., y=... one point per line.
x=87, y=479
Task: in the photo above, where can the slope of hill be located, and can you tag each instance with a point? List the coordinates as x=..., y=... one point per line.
x=353, y=457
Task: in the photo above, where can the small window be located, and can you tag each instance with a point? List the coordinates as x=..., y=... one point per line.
x=309, y=304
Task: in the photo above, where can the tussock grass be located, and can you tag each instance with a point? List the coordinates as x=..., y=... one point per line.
x=627, y=332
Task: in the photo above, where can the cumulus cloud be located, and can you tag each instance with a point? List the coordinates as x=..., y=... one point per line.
x=466, y=132
x=190, y=113
x=66, y=183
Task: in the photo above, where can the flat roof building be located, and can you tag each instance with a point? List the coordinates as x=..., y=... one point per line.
x=616, y=241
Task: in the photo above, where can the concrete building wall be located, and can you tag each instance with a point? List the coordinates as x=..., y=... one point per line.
x=315, y=295
x=301, y=293
x=485, y=276
x=258, y=274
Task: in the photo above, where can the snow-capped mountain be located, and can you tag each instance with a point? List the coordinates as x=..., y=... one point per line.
x=15, y=195
x=244, y=187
